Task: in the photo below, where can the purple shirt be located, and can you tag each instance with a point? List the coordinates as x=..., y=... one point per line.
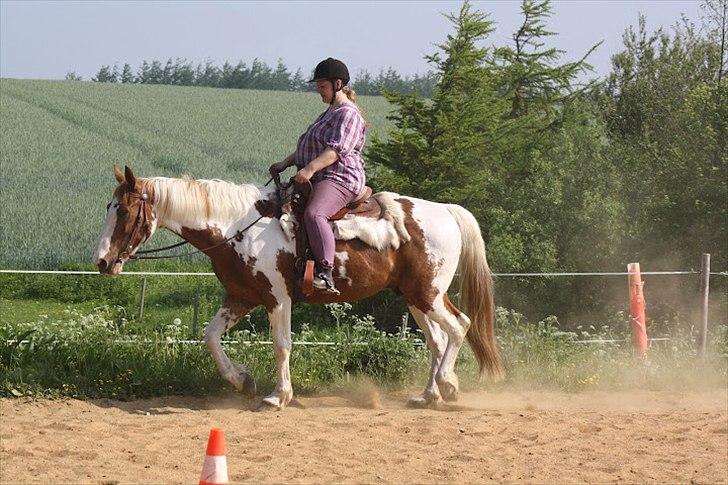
x=341, y=128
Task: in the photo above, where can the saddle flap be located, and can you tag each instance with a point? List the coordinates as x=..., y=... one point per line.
x=363, y=206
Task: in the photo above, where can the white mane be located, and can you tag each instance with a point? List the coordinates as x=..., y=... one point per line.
x=190, y=203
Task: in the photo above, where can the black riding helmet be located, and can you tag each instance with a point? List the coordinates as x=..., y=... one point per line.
x=331, y=69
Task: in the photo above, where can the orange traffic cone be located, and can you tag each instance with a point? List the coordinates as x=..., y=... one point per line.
x=214, y=470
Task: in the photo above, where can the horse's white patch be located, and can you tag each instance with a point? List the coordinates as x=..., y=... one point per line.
x=389, y=230
x=288, y=224
x=342, y=258
x=443, y=243
x=103, y=244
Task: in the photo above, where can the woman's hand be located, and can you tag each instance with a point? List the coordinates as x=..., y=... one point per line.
x=278, y=167
x=304, y=175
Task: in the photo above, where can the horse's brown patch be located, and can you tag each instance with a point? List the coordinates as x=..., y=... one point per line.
x=450, y=307
x=371, y=270
x=268, y=208
x=237, y=277
x=416, y=285
x=285, y=262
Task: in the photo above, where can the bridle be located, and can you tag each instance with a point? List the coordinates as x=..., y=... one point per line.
x=141, y=221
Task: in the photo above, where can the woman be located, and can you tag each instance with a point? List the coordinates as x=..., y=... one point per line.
x=329, y=156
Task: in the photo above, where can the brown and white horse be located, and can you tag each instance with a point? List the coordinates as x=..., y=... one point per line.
x=415, y=249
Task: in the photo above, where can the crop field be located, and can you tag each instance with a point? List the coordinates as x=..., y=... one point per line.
x=59, y=140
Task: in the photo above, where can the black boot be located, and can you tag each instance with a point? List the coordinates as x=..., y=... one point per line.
x=324, y=279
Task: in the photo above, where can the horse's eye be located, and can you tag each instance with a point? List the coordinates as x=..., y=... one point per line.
x=121, y=211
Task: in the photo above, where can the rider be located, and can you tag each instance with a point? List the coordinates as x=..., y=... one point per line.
x=329, y=156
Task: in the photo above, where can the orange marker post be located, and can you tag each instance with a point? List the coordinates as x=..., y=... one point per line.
x=214, y=469
x=637, y=309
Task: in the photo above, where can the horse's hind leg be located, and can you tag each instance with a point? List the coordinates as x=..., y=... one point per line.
x=436, y=342
x=455, y=324
x=226, y=318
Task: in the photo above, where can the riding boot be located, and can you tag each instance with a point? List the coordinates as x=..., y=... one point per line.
x=324, y=279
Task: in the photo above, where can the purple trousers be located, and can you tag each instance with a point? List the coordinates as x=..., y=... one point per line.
x=326, y=198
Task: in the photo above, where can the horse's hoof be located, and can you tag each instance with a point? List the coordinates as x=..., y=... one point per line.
x=417, y=402
x=270, y=403
x=449, y=392
x=423, y=401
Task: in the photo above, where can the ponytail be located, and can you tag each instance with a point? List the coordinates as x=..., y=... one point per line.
x=351, y=95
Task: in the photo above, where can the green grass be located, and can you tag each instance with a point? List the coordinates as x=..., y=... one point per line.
x=59, y=140
x=78, y=354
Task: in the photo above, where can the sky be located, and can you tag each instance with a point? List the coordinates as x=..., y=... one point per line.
x=46, y=40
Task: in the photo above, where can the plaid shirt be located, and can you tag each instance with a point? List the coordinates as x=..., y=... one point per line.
x=341, y=128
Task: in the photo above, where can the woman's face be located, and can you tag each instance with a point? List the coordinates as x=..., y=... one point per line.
x=325, y=90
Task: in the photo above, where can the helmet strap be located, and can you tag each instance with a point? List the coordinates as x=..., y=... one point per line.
x=333, y=88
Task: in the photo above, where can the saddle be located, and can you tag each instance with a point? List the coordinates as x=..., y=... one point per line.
x=364, y=205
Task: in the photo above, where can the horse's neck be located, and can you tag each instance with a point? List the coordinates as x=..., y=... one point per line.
x=203, y=215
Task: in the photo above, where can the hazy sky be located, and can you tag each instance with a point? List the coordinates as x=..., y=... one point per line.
x=45, y=40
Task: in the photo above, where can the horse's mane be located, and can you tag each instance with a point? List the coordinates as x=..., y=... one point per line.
x=189, y=202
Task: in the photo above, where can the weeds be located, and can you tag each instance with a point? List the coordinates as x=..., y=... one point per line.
x=101, y=353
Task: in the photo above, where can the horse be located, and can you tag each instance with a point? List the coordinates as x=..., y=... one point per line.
x=415, y=248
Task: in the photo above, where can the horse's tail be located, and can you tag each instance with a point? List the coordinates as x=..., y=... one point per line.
x=476, y=294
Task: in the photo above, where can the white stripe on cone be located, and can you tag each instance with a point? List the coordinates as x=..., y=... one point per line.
x=214, y=470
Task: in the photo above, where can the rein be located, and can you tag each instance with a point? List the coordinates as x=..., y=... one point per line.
x=238, y=236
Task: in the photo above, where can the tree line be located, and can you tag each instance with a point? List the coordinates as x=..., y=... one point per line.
x=257, y=75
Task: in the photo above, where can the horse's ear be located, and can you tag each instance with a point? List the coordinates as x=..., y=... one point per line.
x=130, y=178
x=117, y=173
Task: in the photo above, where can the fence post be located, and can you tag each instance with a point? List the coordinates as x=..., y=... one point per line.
x=195, y=311
x=141, y=300
x=705, y=292
x=637, y=309
x=404, y=326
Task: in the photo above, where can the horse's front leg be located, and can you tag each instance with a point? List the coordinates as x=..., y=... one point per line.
x=225, y=318
x=280, y=323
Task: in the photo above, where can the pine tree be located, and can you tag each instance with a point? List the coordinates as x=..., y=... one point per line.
x=104, y=75
x=281, y=78
x=143, y=73
x=298, y=82
x=127, y=77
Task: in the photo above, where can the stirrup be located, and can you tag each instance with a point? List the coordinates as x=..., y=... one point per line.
x=322, y=284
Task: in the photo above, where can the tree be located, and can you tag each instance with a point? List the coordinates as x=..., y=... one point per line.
x=280, y=78
x=104, y=75
x=207, y=75
x=667, y=121
x=298, y=82
x=507, y=134
x=72, y=76
x=127, y=76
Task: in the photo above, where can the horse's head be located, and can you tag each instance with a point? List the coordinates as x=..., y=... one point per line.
x=130, y=220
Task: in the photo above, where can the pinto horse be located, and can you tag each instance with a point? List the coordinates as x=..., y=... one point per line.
x=415, y=248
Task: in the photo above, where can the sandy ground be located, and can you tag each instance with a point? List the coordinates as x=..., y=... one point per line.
x=367, y=437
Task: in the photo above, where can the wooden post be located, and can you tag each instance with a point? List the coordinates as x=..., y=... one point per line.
x=195, y=311
x=404, y=327
x=141, y=300
x=705, y=292
x=637, y=309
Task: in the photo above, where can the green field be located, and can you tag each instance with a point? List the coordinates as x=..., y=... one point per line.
x=59, y=139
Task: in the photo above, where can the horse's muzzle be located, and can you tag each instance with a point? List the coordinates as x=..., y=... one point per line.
x=102, y=265
x=110, y=269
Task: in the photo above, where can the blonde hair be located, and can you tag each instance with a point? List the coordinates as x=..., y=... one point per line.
x=351, y=95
